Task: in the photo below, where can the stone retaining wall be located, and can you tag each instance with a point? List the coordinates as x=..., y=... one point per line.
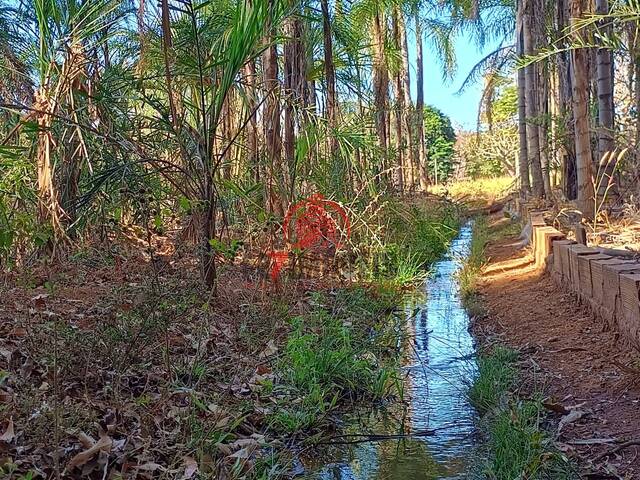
x=609, y=285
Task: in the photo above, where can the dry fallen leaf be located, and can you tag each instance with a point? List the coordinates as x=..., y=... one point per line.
x=8, y=434
x=554, y=406
x=242, y=453
x=243, y=442
x=269, y=350
x=190, y=469
x=572, y=416
x=39, y=300
x=6, y=352
x=149, y=467
x=18, y=332
x=86, y=440
x=102, y=445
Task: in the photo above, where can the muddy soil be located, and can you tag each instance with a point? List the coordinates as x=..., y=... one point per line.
x=591, y=379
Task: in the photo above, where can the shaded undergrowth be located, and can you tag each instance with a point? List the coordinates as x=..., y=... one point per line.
x=339, y=353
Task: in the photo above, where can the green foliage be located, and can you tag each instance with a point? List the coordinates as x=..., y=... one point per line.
x=489, y=153
x=505, y=106
x=492, y=150
x=19, y=230
x=470, y=272
x=413, y=237
x=331, y=358
x=517, y=443
x=496, y=376
x=440, y=139
x=521, y=448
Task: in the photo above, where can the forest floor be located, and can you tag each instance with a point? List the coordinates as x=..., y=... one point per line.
x=590, y=381
x=116, y=362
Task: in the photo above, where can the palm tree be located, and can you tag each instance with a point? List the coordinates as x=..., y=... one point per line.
x=565, y=101
x=419, y=113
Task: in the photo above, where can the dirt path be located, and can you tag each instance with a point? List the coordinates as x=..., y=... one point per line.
x=568, y=355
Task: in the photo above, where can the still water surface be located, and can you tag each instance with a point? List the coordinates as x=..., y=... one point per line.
x=439, y=366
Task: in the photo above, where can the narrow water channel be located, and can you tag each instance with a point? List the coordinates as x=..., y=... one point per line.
x=435, y=427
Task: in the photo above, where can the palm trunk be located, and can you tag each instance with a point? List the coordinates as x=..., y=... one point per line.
x=523, y=159
x=167, y=44
x=585, y=198
x=380, y=85
x=531, y=103
x=543, y=131
x=419, y=113
x=48, y=207
x=565, y=101
x=271, y=125
x=252, y=131
x=606, y=142
x=407, y=113
x=360, y=155
x=291, y=101
x=400, y=107
x=330, y=77
x=140, y=20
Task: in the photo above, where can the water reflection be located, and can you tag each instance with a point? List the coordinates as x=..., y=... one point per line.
x=440, y=363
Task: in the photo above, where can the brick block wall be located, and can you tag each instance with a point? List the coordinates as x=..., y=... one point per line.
x=609, y=285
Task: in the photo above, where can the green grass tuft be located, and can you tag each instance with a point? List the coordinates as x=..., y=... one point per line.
x=518, y=445
x=469, y=274
x=335, y=354
x=496, y=375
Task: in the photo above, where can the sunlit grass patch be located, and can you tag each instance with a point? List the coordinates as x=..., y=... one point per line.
x=473, y=190
x=412, y=237
x=469, y=274
x=520, y=446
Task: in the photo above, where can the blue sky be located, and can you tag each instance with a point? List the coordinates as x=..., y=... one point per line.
x=462, y=109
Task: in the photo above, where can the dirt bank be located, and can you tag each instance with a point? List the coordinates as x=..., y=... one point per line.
x=592, y=381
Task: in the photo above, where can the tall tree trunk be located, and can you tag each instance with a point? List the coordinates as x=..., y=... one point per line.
x=419, y=113
x=140, y=20
x=531, y=102
x=565, y=102
x=292, y=102
x=543, y=129
x=272, y=129
x=289, y=53
x=360, y=155
x=606, y=142
x=380, y=85
x=48, y=206
x=252, y=130
x=633, y=40
x=408, y=110
x=167, y=45
x=585, y=198
x=330, y=76
x=523, y=158
x=400, y=106
x=227, y=134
